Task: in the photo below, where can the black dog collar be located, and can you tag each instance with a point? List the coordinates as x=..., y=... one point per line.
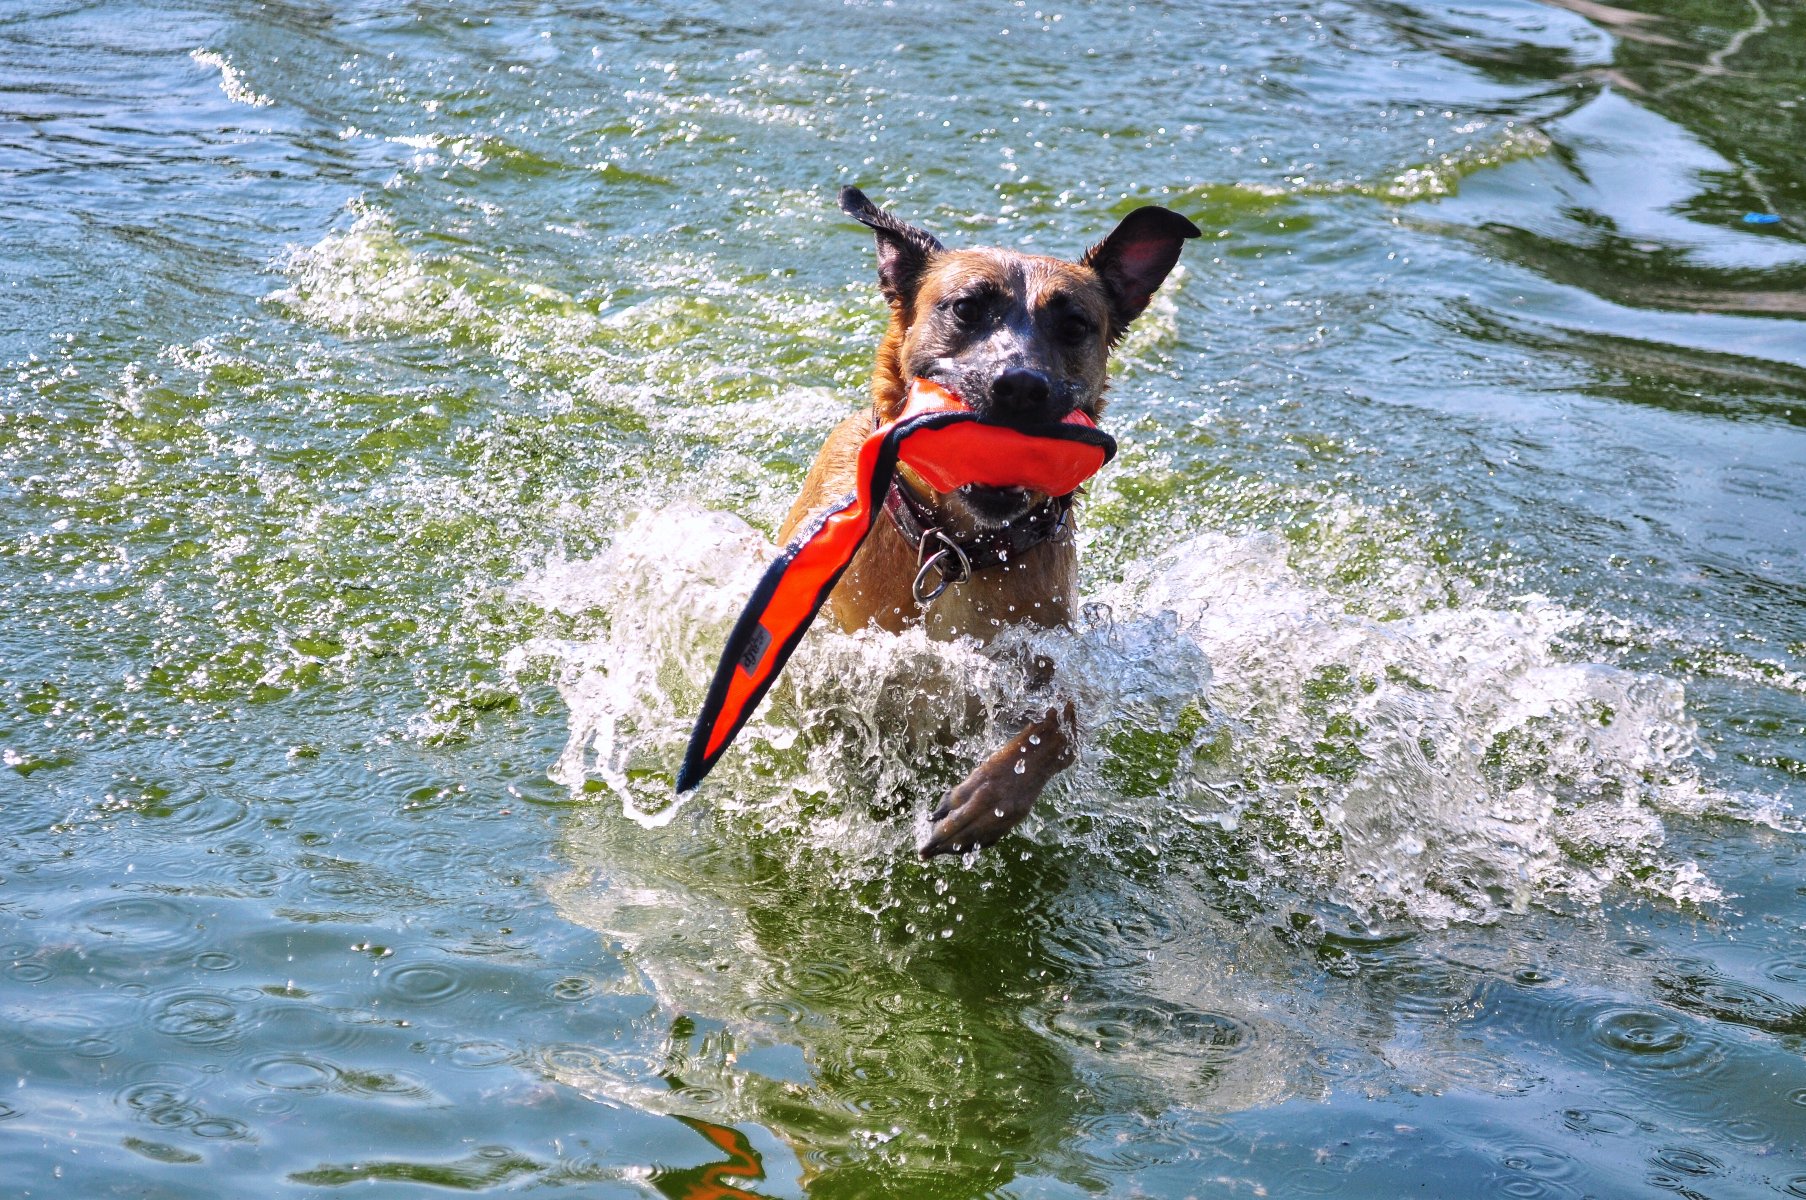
x=957, y=559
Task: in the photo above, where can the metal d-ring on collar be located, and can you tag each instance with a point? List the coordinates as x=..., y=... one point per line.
x=952, y=560
x=946, y=572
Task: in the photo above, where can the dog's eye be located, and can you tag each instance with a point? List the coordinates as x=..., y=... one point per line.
x=1074, y=329
x=968, y=309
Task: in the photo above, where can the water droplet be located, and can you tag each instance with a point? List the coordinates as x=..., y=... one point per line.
x=1021, y=765
x=1034, y=739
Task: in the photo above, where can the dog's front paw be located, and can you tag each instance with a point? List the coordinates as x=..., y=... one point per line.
x=992, y=801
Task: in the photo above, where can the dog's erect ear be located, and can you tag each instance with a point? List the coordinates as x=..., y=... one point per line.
x=903, y=250
x=1136, y=257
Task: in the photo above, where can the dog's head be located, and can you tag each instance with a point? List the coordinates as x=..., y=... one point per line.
x=1023, y=339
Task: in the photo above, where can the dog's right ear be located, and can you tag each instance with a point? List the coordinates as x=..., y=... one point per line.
x=903, y=250
x=1136, y=258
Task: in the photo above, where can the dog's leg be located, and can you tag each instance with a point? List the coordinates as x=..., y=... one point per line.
x=1002, y=789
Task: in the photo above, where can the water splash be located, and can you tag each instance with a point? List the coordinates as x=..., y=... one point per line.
x=670, y=587
x=231, y=80
x=1445, y=765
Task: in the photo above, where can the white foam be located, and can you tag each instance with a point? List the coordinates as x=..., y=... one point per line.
x=1458, y=762
x=1445, y=765
x=231, y=81
x=670, y=587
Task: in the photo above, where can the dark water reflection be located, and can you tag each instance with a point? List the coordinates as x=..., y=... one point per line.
x=1456, y=854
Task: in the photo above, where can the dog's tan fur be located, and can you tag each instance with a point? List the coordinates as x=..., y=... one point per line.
x=876, y=587
x=1067, y=316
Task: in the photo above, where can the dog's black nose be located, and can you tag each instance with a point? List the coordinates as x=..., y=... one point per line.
x=1020, y=393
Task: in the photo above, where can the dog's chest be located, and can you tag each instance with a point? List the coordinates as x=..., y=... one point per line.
x=1035, y=589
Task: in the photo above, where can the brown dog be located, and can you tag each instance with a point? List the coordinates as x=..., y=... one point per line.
x=1021, y=339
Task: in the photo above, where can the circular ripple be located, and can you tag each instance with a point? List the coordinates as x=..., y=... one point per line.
x=1598, y=1120
x=1090, y=944
x=487, y=912
x=95, y=1047
x=89, y=1033
x=295, y=1073
x=1797, y=1096
x=423, y=983
x=272, y=1105
x=318, y=1028
x=162, y=1104
x=1639, y=1032
x=220, y=1127
x=59, y=1031
x=1153, y=1028
x=1205, y=1131
x=1794, y=1185
x=772, y=1012
x=1787, y=970
x=1117, y=1141
x=176, y=1116
x=573, y=991
x=29, y=970
x=891, y=1004
x=1310, y=1181
x=1424, y=987
x=7, y=1111
x=148, y=1097
x=568, y=1060
x=381, y=1083
x=216, y=960
x=205, y=814
x=1729, y=1000
x=1685, y=1161
x=474, y=1055
x=200, y=1018
x=1750, y=1131
x=820, y=981
x=1542, y=1161
x=697, y=1096
x=878, y=1107
x=141, y=924
x=1340, y=1062
x=1653, y=1043
x=166, y=1074
x=1528, y=1187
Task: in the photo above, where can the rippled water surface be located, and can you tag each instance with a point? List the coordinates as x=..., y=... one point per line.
x=397, y=403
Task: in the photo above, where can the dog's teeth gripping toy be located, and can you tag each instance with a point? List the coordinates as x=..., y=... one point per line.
x=949, y=446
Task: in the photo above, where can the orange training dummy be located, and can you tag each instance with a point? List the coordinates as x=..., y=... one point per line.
x=945, y=443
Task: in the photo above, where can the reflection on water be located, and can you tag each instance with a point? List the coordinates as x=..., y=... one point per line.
x=712, y=1182
x=394, y=406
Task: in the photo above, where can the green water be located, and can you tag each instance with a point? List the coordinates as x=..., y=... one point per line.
x=395, y=402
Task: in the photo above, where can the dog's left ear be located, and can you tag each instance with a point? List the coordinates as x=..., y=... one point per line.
x=1136, y=257
x=903, y=250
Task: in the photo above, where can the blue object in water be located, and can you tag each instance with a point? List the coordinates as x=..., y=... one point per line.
x=1761, y=219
